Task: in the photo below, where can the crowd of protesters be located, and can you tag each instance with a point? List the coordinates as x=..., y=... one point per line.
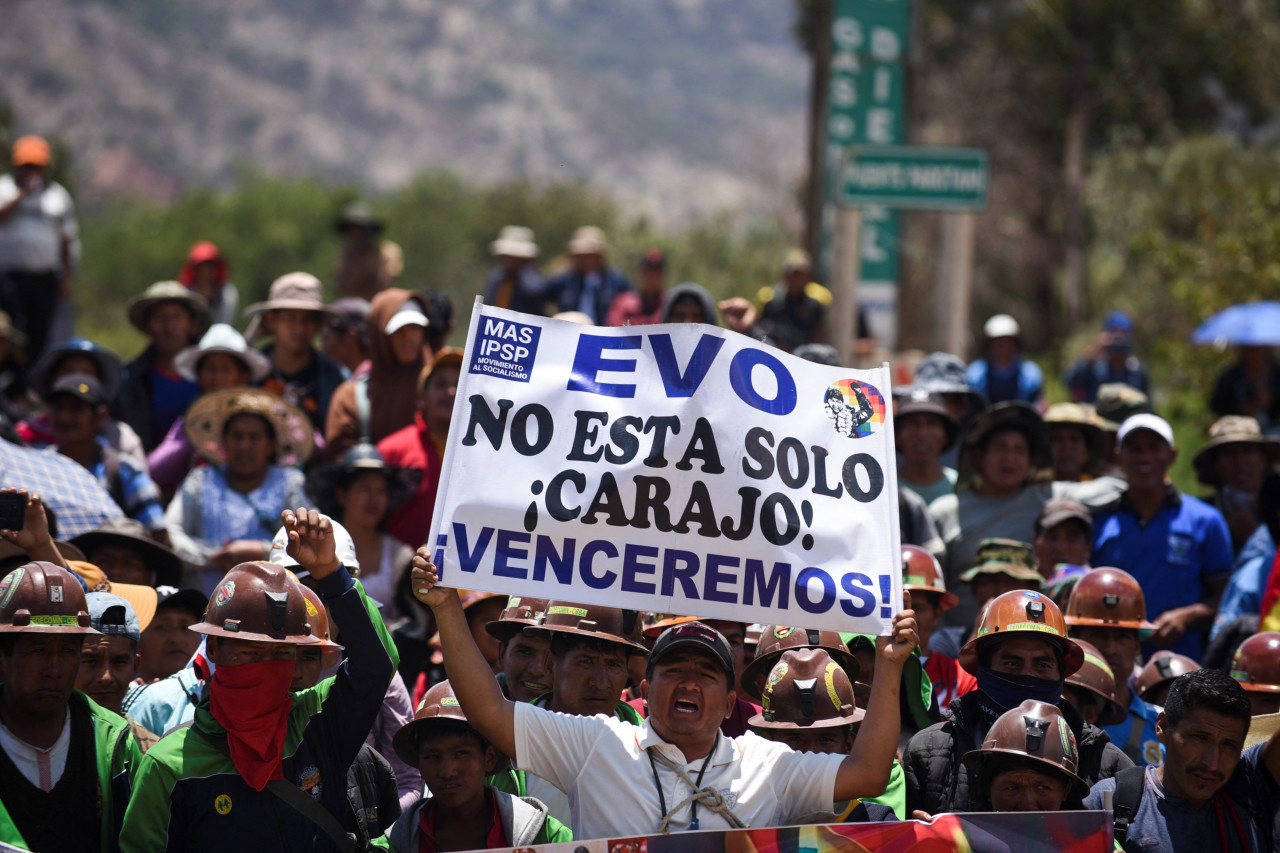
x=219, y=625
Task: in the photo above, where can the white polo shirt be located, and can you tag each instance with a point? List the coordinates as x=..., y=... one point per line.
x=601, y=764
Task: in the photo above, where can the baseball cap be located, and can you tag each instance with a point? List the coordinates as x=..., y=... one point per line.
x=82, y=386
x=1146, y=420
x=31, y=150
x=1057, y=510
x=111, y=614
x=694, y=634
x=653, y=259
x=408, y=314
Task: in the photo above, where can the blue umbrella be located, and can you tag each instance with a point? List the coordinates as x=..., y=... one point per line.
x=1250, y=324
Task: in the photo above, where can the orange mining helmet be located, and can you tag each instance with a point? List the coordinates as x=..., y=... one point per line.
x=1109, y=598
x=1022, y=612
x=260, y=602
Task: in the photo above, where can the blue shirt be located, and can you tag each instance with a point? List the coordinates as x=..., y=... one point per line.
x=1243, y=594
x=1171, y=556
x=1142, y=717
x=1162, y=817
x=1020, y=380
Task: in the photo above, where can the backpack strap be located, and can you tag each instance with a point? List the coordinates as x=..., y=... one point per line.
x=362, y=406
x=1127, y=798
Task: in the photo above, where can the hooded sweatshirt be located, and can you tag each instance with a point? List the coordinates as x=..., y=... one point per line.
x=710, y=315
x=393, y=387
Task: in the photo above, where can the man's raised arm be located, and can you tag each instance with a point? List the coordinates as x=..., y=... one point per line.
x=487, y=710
x=865, y=770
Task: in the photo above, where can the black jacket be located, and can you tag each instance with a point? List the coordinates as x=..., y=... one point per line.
x=937, y=780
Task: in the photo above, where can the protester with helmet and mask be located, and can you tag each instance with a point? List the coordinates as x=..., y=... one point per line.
x=1211, y=792
x=1108, y=610
x=1257, y=667
x=591, y=646
x=460, y=811
x=662, y=777
x=809, y=705
x=1019, y=651
x=1028, y=761
x=61, y=754
x=252, y=745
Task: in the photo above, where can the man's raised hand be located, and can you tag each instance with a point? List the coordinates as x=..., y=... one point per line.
x=426, y=583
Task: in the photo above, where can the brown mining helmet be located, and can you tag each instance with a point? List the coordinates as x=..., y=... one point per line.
x=1108, y=598
x=610, y=624
x=259, y=602
x=776, y=639
x=1021, y=612
x=1257, y=663
x=319, y=618
x=439, y=705
x=921, y=572
x=806, y=689
x=42, y=598
x=1037, y=733
x=1095, y=676
x=521, y=612
x=1163, y=668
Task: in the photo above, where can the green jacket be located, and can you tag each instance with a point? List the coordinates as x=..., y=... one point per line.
x=512, y=781
x=117, y=757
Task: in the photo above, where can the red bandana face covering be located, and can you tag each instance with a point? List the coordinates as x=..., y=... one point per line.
x=252, y=703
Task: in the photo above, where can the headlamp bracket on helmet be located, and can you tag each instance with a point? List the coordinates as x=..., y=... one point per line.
x=1035, y=733
x=1035, y=611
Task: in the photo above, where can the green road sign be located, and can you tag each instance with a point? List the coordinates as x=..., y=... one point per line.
x=919, y=177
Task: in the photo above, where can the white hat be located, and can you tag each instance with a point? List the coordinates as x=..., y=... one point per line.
x=515, y=241
x=224, y=339
x=587, y=240
x=1146, y=420
x=1001, y=326
x=408, y=314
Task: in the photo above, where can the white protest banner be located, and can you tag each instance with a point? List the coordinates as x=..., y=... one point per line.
x=678, y=468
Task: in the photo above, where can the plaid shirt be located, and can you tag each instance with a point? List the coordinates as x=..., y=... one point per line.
x=71, y=491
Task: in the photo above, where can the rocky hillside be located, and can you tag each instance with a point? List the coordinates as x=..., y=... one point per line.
x=679, y=107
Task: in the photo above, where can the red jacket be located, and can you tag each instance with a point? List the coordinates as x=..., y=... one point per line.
x=413, y=447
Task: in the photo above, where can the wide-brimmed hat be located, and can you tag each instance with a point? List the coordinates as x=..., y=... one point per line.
x=224, y=339
x=1013, y=415
x=9, y=551
x=588, y=240
x=1083, y=416
x=515, y=241
x=132, y=533
x=447, y=357
x=944, y=373
x=205, y=419
x=1232, y=429
x=168, y=291
x=921, y=401
x=1005, y=557
x=110, y=368
x=300, y=291
x=1117, y=402
x=323, y=482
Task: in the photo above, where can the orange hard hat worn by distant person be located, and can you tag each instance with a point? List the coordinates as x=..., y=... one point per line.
x=31, y=150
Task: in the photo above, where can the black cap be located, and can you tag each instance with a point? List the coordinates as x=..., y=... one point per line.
x=82, y=386
x=694, y=634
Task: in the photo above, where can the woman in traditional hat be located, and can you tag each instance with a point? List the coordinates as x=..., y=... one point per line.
x=226, y=512
x=222, y=359
x=359, y=492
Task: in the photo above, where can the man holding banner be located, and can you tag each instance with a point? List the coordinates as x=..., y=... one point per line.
x=676, y=772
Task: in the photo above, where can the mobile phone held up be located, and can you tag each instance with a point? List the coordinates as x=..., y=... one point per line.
x=13, y=510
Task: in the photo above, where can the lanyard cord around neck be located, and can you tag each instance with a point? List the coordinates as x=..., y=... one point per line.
x=710, y=797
